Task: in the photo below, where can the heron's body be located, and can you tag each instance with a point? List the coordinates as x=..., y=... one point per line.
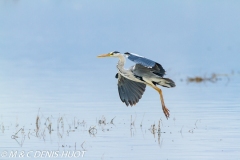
x=127, y=73
x=132, y=82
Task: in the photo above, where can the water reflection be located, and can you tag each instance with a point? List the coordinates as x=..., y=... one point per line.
x=213, y=78
x=132, y=132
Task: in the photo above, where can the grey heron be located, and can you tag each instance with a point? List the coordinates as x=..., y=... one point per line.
x=132, y=82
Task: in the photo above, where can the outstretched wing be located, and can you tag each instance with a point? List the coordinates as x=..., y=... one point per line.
x=140, y=60
x=129, y=91
x=156, y=68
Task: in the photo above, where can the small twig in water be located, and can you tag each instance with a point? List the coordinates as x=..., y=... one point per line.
x=112, y=120
x=142, y=119
x=82, y=146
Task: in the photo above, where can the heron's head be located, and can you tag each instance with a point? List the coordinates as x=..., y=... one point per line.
x=110, y=54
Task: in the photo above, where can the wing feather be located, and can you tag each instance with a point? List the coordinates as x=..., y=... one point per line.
x=140, y=60
x=129, y=91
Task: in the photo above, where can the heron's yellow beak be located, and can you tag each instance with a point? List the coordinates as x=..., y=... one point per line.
x=104, y=55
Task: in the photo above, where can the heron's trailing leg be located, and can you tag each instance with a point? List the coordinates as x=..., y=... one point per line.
x=164, y=108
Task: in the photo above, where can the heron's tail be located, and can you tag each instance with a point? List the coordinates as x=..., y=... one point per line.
x=166, y=82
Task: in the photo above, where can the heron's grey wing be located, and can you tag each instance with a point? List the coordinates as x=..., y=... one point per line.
x=140, y=60
x=129, y=91
x=156, y=68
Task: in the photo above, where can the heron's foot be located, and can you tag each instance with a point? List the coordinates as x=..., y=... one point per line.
x=166, y=111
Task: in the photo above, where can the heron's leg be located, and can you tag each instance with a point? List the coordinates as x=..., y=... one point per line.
x=164, y=108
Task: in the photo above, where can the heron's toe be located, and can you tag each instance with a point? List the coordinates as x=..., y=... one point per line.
x=166, y=111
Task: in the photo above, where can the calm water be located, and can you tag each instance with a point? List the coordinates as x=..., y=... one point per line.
x=204, y=122
x=57, y=96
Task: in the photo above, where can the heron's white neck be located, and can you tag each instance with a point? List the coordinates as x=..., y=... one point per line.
x=122, y=60
x=121, y=63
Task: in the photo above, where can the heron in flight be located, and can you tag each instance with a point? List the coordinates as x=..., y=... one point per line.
x=132, y=82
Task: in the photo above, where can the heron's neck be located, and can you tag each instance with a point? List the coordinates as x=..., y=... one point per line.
x=121, y=63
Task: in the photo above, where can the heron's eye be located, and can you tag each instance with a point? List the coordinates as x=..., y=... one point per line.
x=111, y=54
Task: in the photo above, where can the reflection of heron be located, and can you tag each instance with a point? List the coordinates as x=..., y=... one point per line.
x=132, y=82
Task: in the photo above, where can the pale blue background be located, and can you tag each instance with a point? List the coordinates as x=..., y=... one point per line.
x=48, y=60
x=42, y=41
